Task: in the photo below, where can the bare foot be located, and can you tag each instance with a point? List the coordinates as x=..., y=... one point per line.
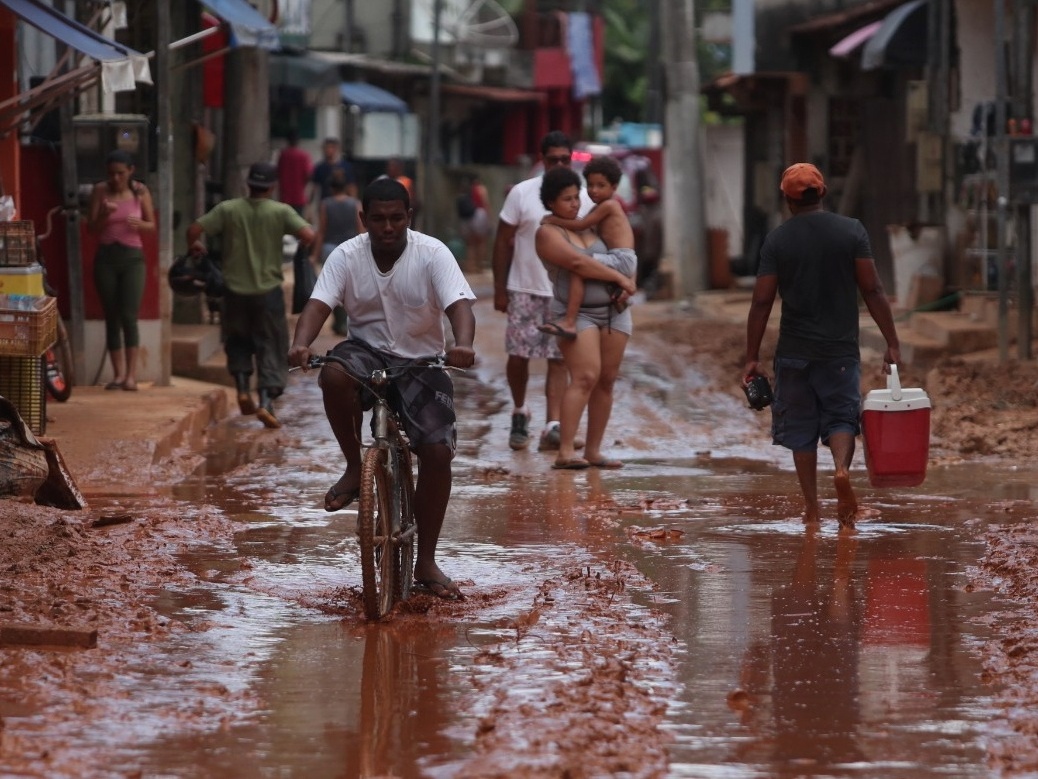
x=846, y=503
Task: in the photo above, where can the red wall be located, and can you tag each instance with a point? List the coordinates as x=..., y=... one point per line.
x=41, y=179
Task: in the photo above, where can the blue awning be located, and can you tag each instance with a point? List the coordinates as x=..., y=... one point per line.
x=248, y=26
x=369, y=98
x=121, y=66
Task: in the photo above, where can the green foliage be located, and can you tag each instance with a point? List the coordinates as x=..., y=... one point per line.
x=626, y=58
x=628, y=36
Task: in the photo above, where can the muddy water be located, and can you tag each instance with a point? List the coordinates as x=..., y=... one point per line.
x=797, y=654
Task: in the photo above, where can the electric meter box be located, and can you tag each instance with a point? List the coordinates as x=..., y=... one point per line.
x=1023, y=170
x=98, y=135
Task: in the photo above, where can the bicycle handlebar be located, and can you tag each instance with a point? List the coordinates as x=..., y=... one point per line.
x=435, y=361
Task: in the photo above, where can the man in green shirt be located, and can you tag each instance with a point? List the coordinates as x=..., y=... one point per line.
x=251, y=230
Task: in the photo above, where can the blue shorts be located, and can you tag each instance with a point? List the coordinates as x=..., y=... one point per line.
x=813, y=400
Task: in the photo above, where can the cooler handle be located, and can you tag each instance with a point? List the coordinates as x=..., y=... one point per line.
x=894, y=383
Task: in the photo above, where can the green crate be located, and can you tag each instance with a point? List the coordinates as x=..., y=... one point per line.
x=21, y=382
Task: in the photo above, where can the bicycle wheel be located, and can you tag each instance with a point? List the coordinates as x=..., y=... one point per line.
x=406, y=539
x=57, y=366
x=375, y=521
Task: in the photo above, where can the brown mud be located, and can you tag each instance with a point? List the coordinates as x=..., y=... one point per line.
x=74, y=569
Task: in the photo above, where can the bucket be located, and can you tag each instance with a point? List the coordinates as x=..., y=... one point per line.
x=895, y=425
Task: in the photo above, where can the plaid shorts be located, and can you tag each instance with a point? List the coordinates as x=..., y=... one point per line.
x=526, y=313
x=423, y=398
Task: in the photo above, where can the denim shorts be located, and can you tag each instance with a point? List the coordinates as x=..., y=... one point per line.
x=422, y=398
x=813, y=400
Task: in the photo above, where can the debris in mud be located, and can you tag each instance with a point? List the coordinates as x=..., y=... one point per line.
x=1011, y=658
x=655, y=533
x=582, y=691
x=651, y=503
x=107, y=520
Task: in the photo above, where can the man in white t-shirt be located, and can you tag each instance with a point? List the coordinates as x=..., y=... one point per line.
x=395, y=285
x=523, y=290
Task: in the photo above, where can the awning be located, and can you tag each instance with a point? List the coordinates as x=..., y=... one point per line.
x=494, y=94
x=369, y=98
x=369, y=64
x=901, y=39
x=302, y=72
x=248, y=26
x=850, y=44
x=121, y=66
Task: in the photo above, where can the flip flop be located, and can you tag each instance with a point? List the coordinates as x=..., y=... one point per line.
x=114, y=385
x=572, y=464
x=446, y=589
x=334, y=495
x=606, y=463
x=553, y=328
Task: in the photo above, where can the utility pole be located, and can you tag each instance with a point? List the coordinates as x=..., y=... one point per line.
x=73, y=244
x=432, y=135
x=684, y=211
x=1023, y=85
x=246, y=133
x=164, y=191
x=1001, y=181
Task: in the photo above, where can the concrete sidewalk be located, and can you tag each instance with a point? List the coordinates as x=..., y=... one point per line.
x=112, y=438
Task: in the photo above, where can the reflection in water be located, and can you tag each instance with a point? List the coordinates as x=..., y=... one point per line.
x=811, y=657
x=401, y=700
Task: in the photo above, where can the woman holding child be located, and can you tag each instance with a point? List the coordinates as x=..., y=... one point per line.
x=593, y=354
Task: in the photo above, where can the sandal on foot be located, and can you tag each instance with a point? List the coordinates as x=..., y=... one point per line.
x=445, y=589
x=114, y=385
x=554, y=328
x=572, y=464
x=333, y=495
x=606, y=463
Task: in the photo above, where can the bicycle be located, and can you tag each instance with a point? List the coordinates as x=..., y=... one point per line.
x=385, y=516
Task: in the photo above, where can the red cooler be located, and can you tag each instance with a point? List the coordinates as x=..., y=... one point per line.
x=895, y=426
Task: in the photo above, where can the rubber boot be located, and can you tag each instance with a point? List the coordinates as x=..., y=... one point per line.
x=245, y=402
x=265, y=413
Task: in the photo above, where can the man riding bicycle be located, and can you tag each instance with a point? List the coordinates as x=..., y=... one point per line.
x=395, y=285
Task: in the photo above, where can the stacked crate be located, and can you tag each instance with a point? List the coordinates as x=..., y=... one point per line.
x=28, y=324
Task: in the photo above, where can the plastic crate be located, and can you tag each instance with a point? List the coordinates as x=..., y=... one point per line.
x=28, y=325
x=17, y=243
x=21, y=382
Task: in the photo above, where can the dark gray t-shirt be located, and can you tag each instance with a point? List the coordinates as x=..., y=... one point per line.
x=341, y=219
x=813, y=254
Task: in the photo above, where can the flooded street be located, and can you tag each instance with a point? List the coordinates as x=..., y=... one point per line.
x=673, y=618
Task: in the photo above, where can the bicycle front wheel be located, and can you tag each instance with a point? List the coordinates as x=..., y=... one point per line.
x=378, y=514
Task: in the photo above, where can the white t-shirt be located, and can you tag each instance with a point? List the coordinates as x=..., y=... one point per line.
x=524, y=210
x=400, y=312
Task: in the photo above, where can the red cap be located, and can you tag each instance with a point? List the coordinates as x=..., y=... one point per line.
x=800, y=177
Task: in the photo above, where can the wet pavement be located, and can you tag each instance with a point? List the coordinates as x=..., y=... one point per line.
x=676, y=611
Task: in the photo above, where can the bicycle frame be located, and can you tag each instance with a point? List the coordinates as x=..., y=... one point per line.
x=386, y=528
